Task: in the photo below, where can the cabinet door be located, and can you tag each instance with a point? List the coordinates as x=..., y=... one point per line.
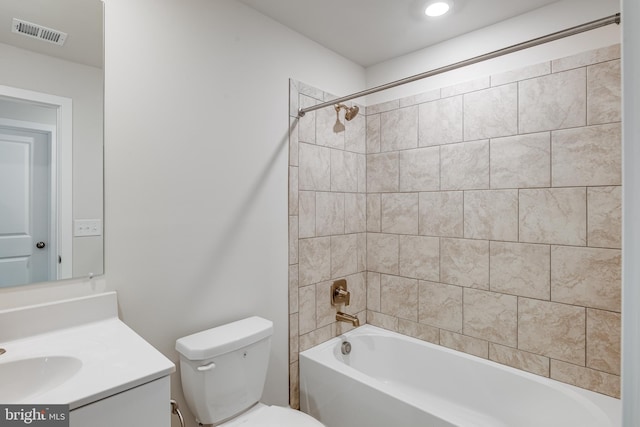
x=147, y=405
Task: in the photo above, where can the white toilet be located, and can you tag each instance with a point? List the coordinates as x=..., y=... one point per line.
x=223, y=372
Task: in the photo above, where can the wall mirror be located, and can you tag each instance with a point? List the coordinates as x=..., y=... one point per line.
x=51, y=140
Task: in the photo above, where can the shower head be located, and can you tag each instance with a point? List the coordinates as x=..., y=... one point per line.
x=350, y=112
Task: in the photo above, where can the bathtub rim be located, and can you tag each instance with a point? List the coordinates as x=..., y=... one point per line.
x=610, y=406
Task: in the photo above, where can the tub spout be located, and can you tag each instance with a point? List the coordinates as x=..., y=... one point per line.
x=344, y=317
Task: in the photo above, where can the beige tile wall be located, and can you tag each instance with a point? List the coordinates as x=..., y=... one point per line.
x=494, y=228
x=328, y=218
x=484, y=217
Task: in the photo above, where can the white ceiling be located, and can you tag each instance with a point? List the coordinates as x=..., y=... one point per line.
x=372, y=31
x=80, y=19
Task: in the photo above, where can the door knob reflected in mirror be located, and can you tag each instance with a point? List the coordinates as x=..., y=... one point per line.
x=40, y=245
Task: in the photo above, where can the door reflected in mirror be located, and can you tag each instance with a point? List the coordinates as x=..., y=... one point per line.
x=51, y=143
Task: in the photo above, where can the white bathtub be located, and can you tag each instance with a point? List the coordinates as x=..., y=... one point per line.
x=391, y=380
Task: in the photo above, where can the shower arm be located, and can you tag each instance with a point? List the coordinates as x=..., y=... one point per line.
x=613, y=19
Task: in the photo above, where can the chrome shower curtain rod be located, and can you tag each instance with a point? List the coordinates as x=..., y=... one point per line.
x=613, y=19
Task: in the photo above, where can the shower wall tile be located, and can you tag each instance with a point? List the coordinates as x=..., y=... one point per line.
x=315, y=168
x=420, y=169
x=325, y=312
x=293, y=190
x=329, y=130
x=400, y=213
x=293, y=142
x=373, y=291
x=604, y=217
x=520, y=269
x=604, y=93
x=464, y=166
x=465, y=262
x=466, y=344
x=373, y=134
x=294, y=385
x=603, y=340
x=441, y=214
x=491, y=112
x=465, y=87
x=344, y=171
x=317, y=336
x=293, y=240
x=419, y=331
x=293, y=288
x=518, y=359
x=399, y=297
x=383, y=107
x=552, y=329
x=419, y=257
x=524, y=73
x=590, y=379
x=307, y=214
x=294, y=94
x=522, y=161
x=490, y=316
x=440, y=121
x=307, y=123
x=310, y=91
x=431, y=95
x=587, y=156
x=587, y=277
x=586, y=58
x=358, y=288
x=553, y=215
x=383, y=321
x=307, y=310
x=361, y=160
x=344, y=255
x=356, y=135
x=326, y=96
x=374, y=213
x=399, y=129
x=315, y=260
x=440, y=305
x=429, y=219
x=556, y=101
x=355, y=213
x=491, y=214
x=329, y=213
x=383, y=253
x=383, y=172
x=362, y=251
x=294, y=338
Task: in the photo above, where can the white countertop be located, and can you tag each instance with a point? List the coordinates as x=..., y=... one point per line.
x=114, y=358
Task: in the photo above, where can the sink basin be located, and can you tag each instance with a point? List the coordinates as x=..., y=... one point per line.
x=33, y=376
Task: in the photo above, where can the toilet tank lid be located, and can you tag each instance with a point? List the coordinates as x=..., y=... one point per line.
x=224, y=339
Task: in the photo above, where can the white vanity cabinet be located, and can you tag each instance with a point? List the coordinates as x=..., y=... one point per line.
x=143, y=406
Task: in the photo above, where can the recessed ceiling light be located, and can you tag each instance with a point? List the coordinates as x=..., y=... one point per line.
x=437, y=8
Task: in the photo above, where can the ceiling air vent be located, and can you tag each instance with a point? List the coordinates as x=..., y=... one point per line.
x=38, y=32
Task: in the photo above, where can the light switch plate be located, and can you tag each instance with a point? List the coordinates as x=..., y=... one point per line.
x=87, y=227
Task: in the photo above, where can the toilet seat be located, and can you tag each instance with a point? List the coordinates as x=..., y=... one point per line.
x=262, y=415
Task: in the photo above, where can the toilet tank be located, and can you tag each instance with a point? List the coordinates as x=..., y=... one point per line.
x=223, y=369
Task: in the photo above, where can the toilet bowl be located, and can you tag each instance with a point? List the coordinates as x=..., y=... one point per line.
x=272, y=416
x=223, y=371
